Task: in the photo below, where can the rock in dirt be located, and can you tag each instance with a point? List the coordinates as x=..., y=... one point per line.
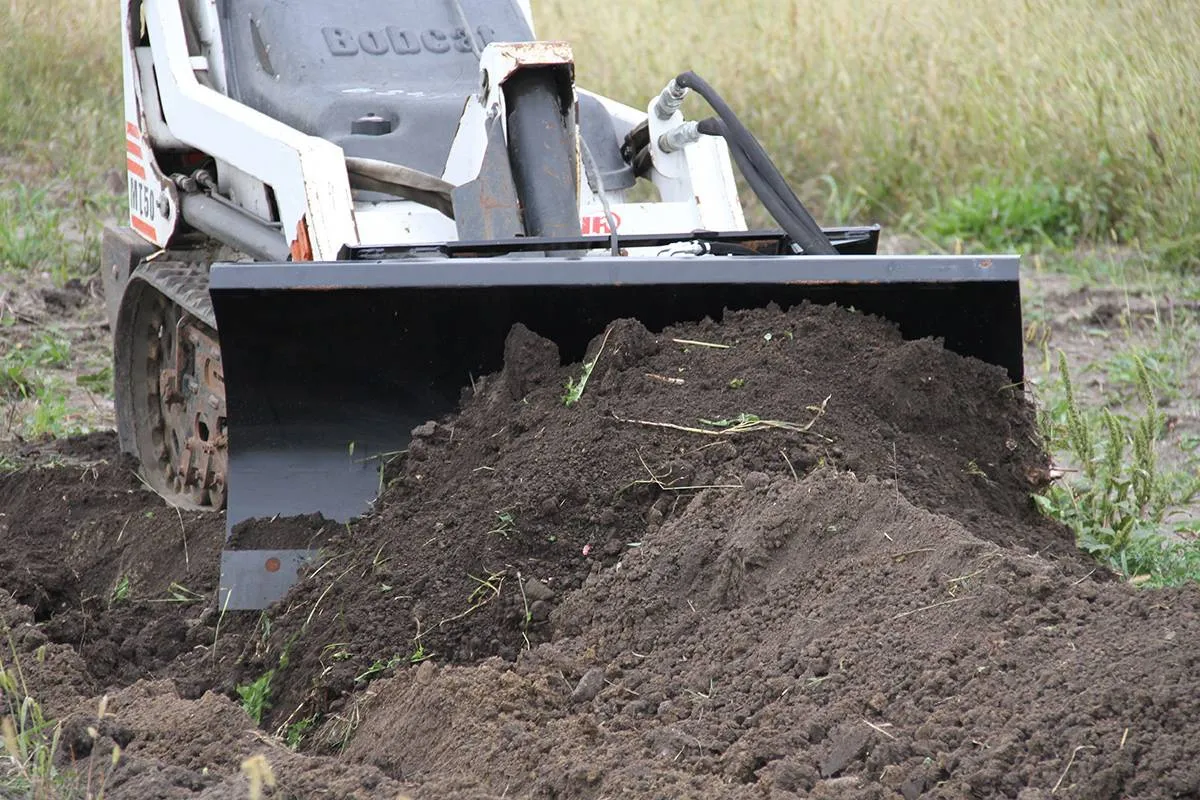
x=589, y=686
x=845, y=747
x=536, y=590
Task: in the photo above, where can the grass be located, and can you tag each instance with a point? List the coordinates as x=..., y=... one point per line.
x=378, y=667
x=20, y=365
x=298, y=731
x=996, y=215
x=259, y=775
x=29, y=767
x=60, y=83
x=30, y=740
x=739, y=423
x=60, y=134
x=36, y=403
x=1074, y=116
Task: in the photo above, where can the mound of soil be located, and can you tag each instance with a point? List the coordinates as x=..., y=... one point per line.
x=784, y=554
x=497, y=512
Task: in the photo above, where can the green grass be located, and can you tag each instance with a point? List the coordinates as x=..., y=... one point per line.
x=22, y=364
x=32, y=388
x=35, y=396
x=997, y=216
x=297, y=732
x=61, y=133
x=505, y=525
x=121, y=591
x=574, y=388
x=30, y=226
x=60, y=88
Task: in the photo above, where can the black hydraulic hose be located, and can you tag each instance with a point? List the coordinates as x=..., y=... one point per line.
x=739, y=135
x=796, y=220
x=767, y=195
x=757, y=174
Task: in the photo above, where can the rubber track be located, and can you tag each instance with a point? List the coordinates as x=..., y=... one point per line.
x=184, y=284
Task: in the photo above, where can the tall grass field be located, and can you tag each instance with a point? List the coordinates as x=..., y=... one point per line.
x=998, y=121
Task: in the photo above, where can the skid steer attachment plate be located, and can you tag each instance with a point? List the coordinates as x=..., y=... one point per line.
x=330, y=365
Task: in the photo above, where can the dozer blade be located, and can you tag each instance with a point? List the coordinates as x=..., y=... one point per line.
x=329, y=366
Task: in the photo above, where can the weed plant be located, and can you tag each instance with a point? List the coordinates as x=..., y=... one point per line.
x=1119, y=502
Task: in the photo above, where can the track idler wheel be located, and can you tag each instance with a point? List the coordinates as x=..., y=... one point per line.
x=171, y=399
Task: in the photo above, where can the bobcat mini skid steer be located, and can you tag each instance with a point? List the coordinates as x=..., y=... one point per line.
x=338, y=210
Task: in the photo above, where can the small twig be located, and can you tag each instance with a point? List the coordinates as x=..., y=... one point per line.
x=187, y=562
x=896, y=475
x=665, y=379
x=1124, y=736
x=935, y=605
x=1071, y=761
x=142, y=480
x=656, y=480
x=217, y=629
x=321, y=597
x=744, y=423
x=123, y=527
x=961, y=578
x=907, y=553
x=788, y=461
x=1081, y=580
x=622, y=687
x=879, y=729
x=528, y=614
x=713, y=345
x=473, y=608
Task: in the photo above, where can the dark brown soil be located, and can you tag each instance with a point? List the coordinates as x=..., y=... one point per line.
x=849, y=595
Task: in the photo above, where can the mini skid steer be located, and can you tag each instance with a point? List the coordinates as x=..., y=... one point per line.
x=338, y=210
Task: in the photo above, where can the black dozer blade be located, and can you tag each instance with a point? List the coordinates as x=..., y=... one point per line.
x=329, y=366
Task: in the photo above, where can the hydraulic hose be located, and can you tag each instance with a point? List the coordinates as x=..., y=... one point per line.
x=760, y=172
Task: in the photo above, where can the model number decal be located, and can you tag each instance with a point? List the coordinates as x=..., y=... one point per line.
x=142, y=202
x=403, y=41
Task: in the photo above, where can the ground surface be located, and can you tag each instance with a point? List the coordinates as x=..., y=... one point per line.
x=855, y=599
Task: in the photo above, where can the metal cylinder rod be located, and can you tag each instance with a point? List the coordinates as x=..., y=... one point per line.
x=236, y=228
x=543, y=152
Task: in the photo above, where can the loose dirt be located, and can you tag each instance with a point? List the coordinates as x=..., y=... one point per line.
x=788, y=554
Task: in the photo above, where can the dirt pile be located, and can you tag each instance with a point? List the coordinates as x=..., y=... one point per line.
x=494, y=514
x=785, y=554
x=815, y=636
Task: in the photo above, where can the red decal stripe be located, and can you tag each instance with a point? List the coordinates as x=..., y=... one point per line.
x=134, y=149
x=132, y=130
x=135, y=168
x=144, y=228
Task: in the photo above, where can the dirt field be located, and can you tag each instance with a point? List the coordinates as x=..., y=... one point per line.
x=851, y=598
